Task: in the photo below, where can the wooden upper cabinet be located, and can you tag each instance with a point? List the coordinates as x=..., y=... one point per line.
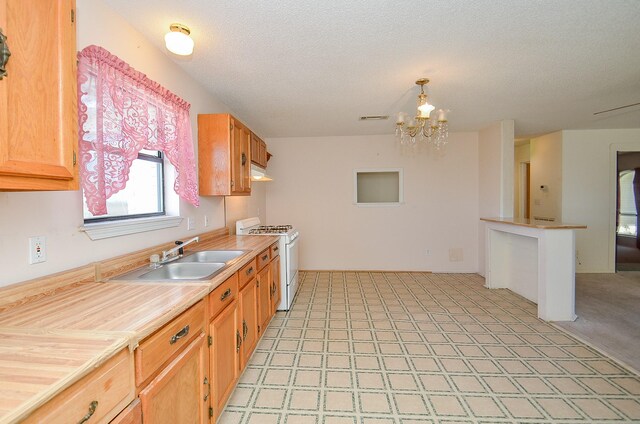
x=224, y=156
x=258, y=151
x=38, y=101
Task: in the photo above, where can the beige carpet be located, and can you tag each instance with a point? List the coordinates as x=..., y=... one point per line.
x=608, y=309
x=416, y=348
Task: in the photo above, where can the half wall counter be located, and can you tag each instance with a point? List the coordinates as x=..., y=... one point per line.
x=535, y=259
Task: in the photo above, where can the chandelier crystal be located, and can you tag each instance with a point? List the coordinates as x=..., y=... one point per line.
x=423, y=127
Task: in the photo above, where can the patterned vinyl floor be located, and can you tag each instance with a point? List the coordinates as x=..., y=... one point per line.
x=408, y=348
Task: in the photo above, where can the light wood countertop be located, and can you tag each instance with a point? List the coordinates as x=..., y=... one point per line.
x=35, y=365
x=532, y=223
x=124, y=312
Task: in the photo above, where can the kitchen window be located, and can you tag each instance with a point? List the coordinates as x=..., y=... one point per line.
x=134, y=136
x=143, y=195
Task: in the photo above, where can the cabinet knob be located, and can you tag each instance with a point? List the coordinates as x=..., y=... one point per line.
x=4, y=54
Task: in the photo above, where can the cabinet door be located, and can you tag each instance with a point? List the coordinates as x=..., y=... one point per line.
x=240, y=159
x=262, y=153
x=264, y=298
x=245, y=161
x=38, y=101
x=249, y=320
x=224, y=355
x=132, y=414
x=255, y=147
x=179, y=393
x=275, y=284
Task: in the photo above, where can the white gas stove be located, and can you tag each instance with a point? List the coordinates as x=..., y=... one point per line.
x=288, y=245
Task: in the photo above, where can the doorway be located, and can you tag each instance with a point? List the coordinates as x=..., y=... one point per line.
x=627, y=207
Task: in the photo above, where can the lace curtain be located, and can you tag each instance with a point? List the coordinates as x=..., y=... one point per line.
x=121, y=111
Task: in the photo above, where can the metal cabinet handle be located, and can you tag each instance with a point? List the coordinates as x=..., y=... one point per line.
x=245, y=329
x=244, y=159
x=265, y=257
x=180, y=334
x=238, y=341
x=275, y=249
x=92, y=409
x=226, y=294
x=249, y=271
x=4, y=54
x=206, y=382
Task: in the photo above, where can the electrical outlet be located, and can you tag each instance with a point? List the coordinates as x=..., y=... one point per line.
x=191, y=225
x=37, y=250
x=206, y=220
x=456, y=254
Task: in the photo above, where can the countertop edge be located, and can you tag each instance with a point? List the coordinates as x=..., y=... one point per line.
x=21, y=412
x=543, y=225
x=133, y=338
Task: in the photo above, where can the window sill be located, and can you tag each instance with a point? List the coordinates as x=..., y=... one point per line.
x=103, y=230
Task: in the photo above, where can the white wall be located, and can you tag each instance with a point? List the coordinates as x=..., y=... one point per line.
x=495, y=177
x=241, y=207
x=522, y=154
x=313, y=190
x=589, y=191
x=546, y=169
x=57, y=215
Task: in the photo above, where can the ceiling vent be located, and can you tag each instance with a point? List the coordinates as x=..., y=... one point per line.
x=374, y=118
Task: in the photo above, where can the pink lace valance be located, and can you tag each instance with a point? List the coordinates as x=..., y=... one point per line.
x=121, y=111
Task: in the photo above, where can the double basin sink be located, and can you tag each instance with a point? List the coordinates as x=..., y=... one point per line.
x=202, y=265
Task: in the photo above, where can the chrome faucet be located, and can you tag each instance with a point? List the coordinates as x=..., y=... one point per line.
x=176, y=252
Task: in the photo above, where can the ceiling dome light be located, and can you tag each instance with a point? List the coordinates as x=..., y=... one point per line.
x=178, y=40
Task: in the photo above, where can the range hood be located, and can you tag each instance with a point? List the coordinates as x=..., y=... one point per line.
x=259, y=174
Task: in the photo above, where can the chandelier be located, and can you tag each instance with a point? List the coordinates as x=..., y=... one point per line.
x=423, y=127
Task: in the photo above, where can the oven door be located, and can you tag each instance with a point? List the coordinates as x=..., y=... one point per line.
x=292, y=270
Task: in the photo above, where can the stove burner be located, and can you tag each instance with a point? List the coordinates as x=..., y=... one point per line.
x=271, y=229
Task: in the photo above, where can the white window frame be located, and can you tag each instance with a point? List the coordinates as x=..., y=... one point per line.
x=400, y=201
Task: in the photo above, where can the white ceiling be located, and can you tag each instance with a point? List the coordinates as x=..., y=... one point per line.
x=312, y=68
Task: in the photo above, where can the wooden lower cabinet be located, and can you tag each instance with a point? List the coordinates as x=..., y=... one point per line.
x=179, y=394
x=224, y=355
x=248, y=321
x=98, y=397
x=275, y=284
x=264, y=298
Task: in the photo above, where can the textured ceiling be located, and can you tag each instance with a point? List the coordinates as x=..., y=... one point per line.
x=311, y=68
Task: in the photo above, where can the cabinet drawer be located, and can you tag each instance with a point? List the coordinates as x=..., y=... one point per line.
x=223, y=295
x=274, y=250
x=263, y=258
x=162, y=345
x=247, y=272
x=100, y=395
x=132, y=414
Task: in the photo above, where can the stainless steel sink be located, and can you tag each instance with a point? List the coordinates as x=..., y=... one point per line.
x=202, y=265
x=212, y=256
x=176, y=271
